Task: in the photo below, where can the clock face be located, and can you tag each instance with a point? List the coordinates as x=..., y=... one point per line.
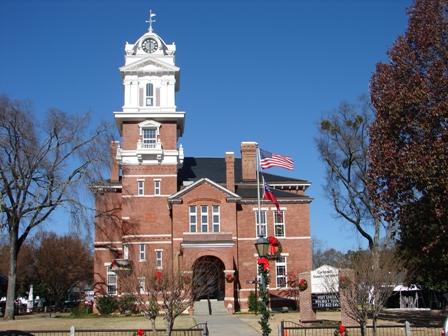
x=149, y=45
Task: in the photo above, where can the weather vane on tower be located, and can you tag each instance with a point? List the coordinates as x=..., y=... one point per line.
x=151, y=20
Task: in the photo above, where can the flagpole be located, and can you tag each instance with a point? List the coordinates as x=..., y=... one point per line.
x=258, y=187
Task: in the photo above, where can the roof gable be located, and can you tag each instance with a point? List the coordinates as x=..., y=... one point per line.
x=191, y=187
x=149, y=64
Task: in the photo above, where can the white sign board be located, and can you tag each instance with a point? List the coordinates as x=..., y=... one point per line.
x=325, y=279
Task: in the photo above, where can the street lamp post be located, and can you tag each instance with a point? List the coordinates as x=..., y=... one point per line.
x=262, y=246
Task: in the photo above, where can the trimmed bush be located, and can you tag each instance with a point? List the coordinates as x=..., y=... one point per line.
x=81, y=310
x=126, y=304
x=253, y=303
x=106, y=305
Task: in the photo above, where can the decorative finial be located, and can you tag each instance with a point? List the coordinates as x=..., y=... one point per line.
x=151, y=20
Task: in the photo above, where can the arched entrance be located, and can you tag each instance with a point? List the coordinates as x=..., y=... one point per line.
x=208, y=278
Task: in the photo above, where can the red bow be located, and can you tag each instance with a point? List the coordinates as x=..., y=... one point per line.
x=140, y=332
x=158, y=275
x=273, y=243
x=265, y=262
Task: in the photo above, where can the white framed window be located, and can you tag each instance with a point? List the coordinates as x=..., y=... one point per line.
x=141, y=285
x=260, y=220
x=280, y=272
x=204, y=218
x=149, y=98
x=142, y=252
x=125, y=251
x=140, y=187
x=111, y=278
x=193, y=218
x=279, y=224
x=216, y=218
x=159, y=258
x=149, y=137
x=157, y=187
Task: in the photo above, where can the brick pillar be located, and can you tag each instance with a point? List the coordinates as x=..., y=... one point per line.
x=249, y=161
x=230, y=171
x=229, y=301
x=113, y=161
x=344, y=296
x=306, y=309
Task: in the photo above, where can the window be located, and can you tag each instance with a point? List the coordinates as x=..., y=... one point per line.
x=159, y=257
x=149, y=95
x=216, y=218
x=126, y=251
x=140, y=187
x=204, y=218
x=280, y=268
x=279, y=224
x=111, y=281
x=141, y=285
x=142, y=252
x=149, y=137
x=157, y=187
x=260, y=218
x=193, y=218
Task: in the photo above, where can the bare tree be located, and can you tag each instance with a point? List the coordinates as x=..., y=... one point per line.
x=363, y=289
x=343, y=145
x=42, y=167
x=159, y=293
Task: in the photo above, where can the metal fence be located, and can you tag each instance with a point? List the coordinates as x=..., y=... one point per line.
x=200, y=329
x=289, y=328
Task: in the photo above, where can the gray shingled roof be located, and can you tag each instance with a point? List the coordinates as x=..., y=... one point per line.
x=194, y=169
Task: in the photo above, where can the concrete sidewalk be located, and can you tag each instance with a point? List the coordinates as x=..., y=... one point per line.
x=221, y=323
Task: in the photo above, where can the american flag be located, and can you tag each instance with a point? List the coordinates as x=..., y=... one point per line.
x=268, y=160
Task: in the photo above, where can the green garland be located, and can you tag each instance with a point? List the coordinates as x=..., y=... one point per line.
x=264, y=298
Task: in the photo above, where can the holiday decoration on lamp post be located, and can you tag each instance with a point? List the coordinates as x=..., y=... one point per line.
x=262, y=246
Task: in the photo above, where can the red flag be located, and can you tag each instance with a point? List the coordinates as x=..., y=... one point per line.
x=269, y=195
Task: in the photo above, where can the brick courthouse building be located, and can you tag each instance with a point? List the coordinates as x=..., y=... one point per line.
x=168, y=212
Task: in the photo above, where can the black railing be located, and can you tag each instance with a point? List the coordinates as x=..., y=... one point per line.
x=200, y=329
x=289, y=328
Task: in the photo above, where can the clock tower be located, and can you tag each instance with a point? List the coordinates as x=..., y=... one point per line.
x=149, y=154
x=149, y=122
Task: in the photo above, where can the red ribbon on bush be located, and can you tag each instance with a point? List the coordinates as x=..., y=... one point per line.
x=265, y=262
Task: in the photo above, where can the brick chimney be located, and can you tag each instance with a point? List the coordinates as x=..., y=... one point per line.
x=230, y=171
x=249, y=161
x=113, y=161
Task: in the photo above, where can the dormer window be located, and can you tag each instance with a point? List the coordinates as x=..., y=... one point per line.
x=149, y=99
x=149, y=137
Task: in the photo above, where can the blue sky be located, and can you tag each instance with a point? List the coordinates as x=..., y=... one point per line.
x=263, y=71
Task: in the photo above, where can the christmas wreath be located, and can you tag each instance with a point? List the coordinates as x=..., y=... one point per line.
x=303, y=284
x=229, y=277
x=275, y=248
x=344, y=282
x=187, y=279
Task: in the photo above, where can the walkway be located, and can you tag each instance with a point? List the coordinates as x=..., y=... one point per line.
x=221, y=323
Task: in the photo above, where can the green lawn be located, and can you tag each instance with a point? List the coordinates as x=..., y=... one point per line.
x=64, y=322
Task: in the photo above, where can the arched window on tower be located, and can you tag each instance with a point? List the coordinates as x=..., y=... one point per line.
x=149, y=95
x=149, y=137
